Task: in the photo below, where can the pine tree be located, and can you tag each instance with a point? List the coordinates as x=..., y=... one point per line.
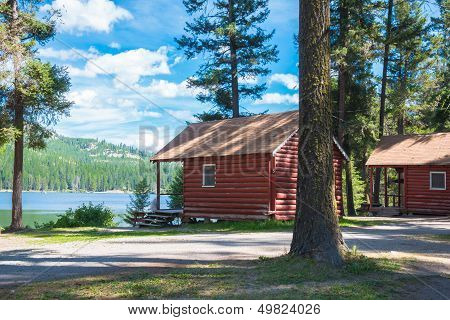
x=36, y=90
x=175, y=189
x=235, y=51
x=353, y=33
x=410, y=52
x=386, y=55
x=139, y=201
x=434, y=113
x=316, y=231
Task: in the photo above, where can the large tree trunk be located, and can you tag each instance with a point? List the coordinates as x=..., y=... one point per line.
x=376, y=190
x=316, y=232
x=16, y=105
x=234, y=65
x=16, y=221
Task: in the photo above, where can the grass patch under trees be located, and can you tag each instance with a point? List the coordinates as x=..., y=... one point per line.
x=284, y=277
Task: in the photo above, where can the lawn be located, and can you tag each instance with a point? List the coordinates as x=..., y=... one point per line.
x=62, y=235
x=439, y=237
x=284, y=277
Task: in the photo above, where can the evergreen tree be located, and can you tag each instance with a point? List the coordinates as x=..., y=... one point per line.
x=175, y=189
x=35, y=91
x=352, y=38
x=235, y=51
x=409, y=67
x=387, y=47
x=434, y=114
x=139, y=201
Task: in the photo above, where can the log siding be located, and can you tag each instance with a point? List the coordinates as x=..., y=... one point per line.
x=242, y=190
x=419, y=196
x=285, y=177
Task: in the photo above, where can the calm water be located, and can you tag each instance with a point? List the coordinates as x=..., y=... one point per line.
x=42, y=207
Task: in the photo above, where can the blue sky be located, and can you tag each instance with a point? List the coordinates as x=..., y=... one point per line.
x=127, y=74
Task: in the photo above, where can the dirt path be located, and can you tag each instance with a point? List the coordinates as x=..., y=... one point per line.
x=21, y=263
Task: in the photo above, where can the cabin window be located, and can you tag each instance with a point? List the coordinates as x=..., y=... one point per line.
x=437, y=180
x=209, y=175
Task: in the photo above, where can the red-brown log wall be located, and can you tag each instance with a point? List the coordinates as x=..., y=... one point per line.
x=419, y=197
x=242, y=189
x=338, y=162
x=285, y=179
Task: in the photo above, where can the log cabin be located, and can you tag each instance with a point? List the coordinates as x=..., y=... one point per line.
x=414, y=173
x=242, y=168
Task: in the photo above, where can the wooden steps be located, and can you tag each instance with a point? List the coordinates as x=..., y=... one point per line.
x=159, y=218
x=386, y=211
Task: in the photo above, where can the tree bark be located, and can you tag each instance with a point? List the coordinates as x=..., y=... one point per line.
x=16, y=105
x=401, y=114
x=16, y=221
x=376, y=190
x=341, y=84
x=316, y=232
x=234, y=64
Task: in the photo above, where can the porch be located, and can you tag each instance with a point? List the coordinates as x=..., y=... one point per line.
x=160, y=216
x=390, y=198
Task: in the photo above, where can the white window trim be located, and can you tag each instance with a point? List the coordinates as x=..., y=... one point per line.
x=203, y=175
x=445, y=180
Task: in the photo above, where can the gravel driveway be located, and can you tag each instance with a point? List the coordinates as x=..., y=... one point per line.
x=21, y=263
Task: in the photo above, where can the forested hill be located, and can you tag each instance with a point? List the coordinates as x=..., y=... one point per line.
x=76, y=164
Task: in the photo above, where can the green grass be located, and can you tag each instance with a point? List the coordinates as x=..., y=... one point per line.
x=362, y=222
x=439, y=237
x=62, y=235
x=284, y=277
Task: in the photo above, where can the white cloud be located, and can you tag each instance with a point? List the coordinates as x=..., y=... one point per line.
x=182, y=115
x=167, y=89
x=128, y=66
x=288, y=80
x=150, y=138
x=84, y=98
x=87, y=15
x=278, y=98
x=176, y=61
x=69, y=54
x=115, y=45
x=90, y=107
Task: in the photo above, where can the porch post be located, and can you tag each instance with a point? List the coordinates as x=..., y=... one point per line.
x=158, y=185
x=371, y=187
x=405, y=188
x=386, y=198
x=399, y=187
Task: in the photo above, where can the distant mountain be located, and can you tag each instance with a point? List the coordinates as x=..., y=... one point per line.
x=77, y=164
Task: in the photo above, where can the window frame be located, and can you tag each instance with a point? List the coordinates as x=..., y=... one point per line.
x=445, y=180
x=203, y=175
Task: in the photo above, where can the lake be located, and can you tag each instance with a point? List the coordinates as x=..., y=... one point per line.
x=43, y=207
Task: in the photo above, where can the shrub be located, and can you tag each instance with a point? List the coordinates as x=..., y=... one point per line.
x=84, y=216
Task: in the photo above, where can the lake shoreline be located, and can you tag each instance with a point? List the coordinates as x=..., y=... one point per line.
x=42, y=207
x=84, y=192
